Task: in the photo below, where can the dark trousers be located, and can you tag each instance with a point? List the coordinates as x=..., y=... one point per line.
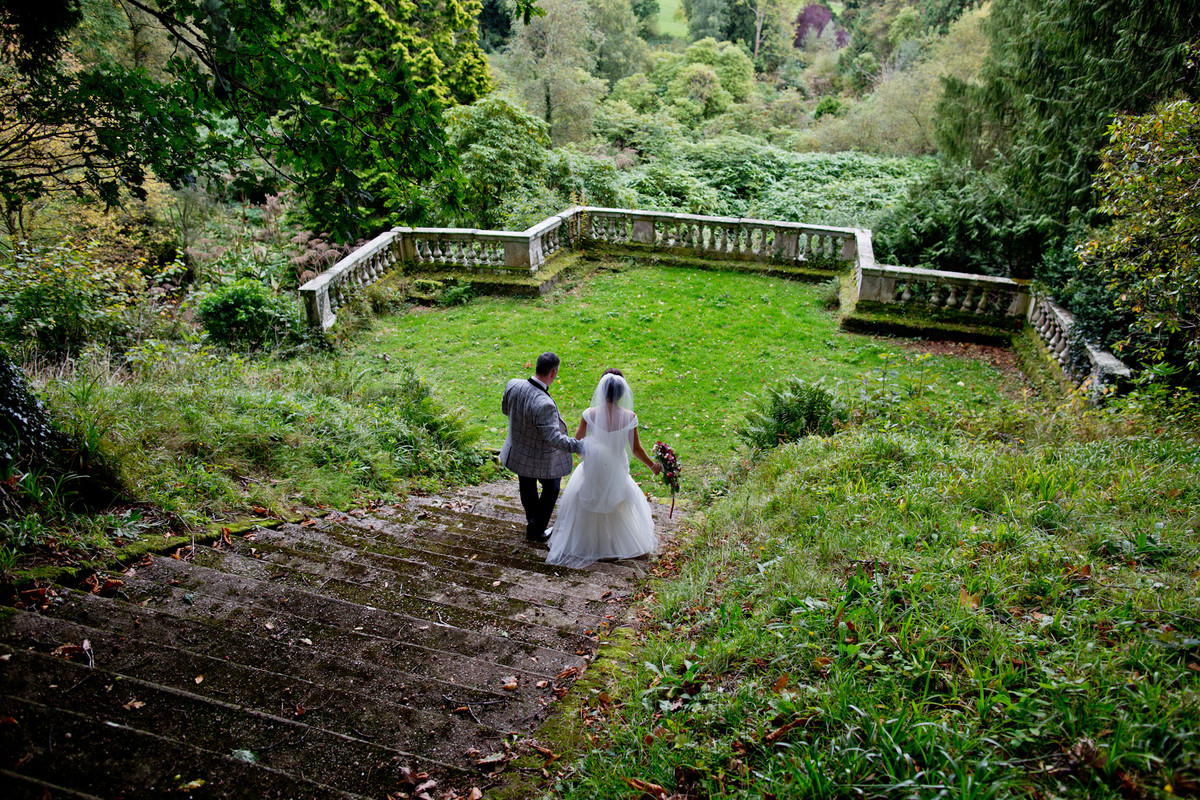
x=538, y=508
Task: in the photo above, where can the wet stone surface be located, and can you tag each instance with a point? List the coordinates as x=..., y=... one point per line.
x=335, y=658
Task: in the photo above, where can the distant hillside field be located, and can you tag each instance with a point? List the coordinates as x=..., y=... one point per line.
x=671, y=20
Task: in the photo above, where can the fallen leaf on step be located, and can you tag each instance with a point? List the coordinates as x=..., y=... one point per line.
x=133, y=704
x=192, y=785
x=494, y=758
x=510, y=683
x=307, y=642
x=495, y=583
x=476, y=794
x=542, y=684
x=199, y=679
x=269, y=626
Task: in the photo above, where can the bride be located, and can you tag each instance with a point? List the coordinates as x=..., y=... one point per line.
x=603, y=513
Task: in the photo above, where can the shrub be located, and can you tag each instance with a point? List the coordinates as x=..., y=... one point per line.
x=246, y=314
x=828, y=105
x=587, y=179
x=790, y=410
x=62, y=297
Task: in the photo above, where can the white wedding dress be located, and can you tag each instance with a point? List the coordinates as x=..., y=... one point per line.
x=602, y=513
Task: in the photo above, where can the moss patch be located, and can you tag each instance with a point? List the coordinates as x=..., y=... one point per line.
x=1040, y=367
x=917, y=328
x=565, y=732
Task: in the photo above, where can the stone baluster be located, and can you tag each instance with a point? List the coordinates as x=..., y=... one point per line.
x=968, y=303
x=1055, y=337
x=952, y=299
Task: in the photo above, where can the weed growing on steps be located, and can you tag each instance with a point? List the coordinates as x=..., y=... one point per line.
x=938, y=610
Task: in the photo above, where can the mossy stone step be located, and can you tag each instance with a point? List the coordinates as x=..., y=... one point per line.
x=341, y=651
x=105, y=758
x=505, y=563
x=393, y=592
x=286, y=546
x=23, y=787
x=370, y=633
x=355, y=667
x=387, y=716
x=289, y=745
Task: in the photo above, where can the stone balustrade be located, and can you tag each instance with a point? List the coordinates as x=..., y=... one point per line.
x=324, y=293
x=466, y=250
x=478, y=252
x=722, y=238
x=934, y=289
x=1054, y=325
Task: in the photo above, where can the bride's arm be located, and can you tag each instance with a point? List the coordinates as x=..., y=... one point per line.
x=581, y=431
x=640, y=454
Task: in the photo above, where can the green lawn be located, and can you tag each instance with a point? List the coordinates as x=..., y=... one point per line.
x=693, y=344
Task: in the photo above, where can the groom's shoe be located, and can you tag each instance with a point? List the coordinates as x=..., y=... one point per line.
x=545, y=537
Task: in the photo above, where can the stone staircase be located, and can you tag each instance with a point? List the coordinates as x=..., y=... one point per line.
x=360, y=655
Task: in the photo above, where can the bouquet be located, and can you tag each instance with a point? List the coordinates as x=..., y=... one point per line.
x=665, y=456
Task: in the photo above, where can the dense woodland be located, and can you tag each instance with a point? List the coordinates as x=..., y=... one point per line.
x=172, y=170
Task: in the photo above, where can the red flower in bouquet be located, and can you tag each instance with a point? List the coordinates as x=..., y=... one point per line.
x=666, y=457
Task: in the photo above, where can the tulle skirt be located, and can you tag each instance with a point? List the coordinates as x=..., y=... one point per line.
x=601, y=514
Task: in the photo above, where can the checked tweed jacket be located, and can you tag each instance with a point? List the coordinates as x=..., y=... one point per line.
x=537, y=445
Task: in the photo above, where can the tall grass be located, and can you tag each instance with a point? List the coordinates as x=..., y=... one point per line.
x=997, y=604
x=207, y=435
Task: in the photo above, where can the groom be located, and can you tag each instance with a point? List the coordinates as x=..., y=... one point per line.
x=537, y=447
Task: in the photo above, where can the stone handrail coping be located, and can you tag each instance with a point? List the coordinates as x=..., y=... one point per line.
x=865, y=249
x=526, y=251
x=894, y=271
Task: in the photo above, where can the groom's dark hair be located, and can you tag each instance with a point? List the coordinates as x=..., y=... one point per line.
x=547, y=363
